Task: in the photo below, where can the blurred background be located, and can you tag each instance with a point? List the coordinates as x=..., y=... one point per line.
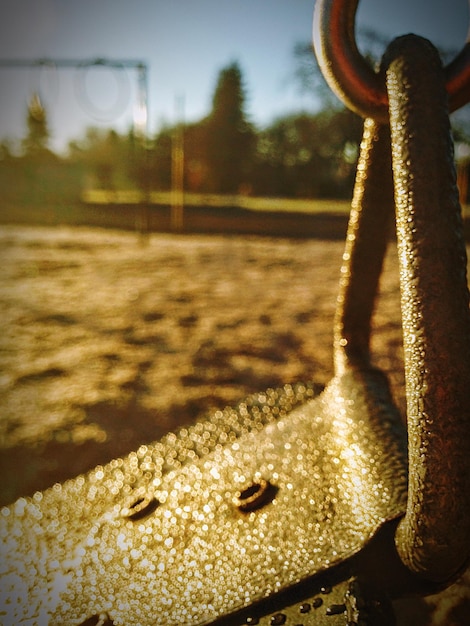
x=182, y=117
x=213, y=97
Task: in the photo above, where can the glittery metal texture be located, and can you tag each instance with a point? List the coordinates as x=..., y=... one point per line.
x=372, y=210
x=337, y=463
x=434, y=538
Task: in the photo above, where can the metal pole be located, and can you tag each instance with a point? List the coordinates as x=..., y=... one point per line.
x=177, y=168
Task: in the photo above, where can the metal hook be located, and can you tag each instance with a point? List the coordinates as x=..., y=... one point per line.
x=352, y=79
x=371, y=216
x=433, y=538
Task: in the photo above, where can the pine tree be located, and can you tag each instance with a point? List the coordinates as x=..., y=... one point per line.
x=230, y=139
x=36, y=141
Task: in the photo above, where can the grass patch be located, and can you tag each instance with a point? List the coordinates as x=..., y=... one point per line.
x=288, y=205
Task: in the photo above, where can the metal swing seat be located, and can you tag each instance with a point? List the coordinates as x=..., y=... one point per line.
x=295, y=508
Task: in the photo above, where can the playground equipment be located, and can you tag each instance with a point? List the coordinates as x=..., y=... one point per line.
x=293, y=508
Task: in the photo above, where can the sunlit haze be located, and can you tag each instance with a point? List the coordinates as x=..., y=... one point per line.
x=184, y=44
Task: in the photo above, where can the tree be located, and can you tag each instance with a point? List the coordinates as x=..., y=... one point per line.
x=105, y=154
x=310, y=79
x=139, y=160
x=229, y=137
x=308, y=155
x=160, y=175
x=39, y=166
x=6, y=150
x=37, y=138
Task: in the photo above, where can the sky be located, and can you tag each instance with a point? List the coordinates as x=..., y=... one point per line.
x=184, y=44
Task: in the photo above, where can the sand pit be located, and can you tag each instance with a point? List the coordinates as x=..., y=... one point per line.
x=110, y=339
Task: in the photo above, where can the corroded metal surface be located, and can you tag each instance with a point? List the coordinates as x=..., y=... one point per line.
x=434, y=537
x=72, y=552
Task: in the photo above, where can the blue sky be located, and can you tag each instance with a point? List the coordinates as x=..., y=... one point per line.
x=185, y=43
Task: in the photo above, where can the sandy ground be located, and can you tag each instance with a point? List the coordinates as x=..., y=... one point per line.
x=110, y=339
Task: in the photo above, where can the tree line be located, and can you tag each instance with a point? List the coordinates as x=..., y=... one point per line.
x=297, y=155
